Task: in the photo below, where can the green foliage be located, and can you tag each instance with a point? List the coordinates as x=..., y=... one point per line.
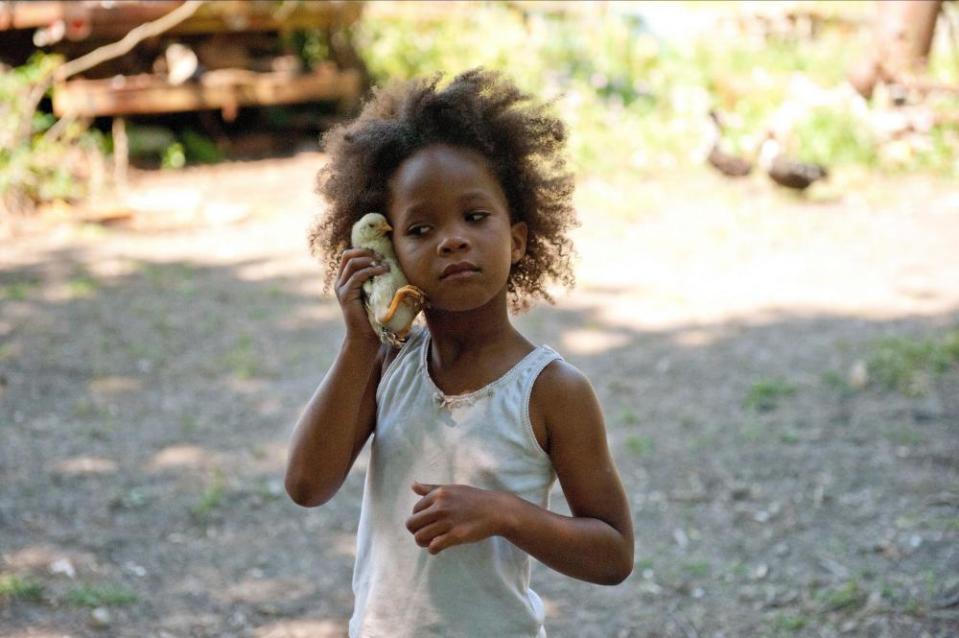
x=100, y=596
x=311, y=47
x=908, y=365
x=637, y=103
x=173, y=156
x=17, y=588
x=833, y=135
x=41, y=159
x=200, y=148
x=765, y=394
x=171, y=149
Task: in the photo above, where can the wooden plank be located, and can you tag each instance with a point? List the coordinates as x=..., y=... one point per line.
x=144, y=94
x=29, y=15
x=103, y=20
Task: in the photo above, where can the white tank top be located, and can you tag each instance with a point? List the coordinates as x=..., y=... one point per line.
x=483, y=439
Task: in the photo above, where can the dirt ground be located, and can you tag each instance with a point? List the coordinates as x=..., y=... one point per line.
x=150, y=375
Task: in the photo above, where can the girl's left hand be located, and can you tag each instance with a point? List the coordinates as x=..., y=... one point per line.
x=449, y=515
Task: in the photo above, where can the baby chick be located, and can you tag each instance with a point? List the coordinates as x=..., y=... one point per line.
x=391, y=303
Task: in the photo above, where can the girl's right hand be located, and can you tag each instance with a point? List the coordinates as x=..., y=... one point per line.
x=356, y=266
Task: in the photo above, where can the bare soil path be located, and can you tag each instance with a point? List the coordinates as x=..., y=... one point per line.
x=150, y=376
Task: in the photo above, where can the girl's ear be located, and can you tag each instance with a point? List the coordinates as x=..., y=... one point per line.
x=518, y=233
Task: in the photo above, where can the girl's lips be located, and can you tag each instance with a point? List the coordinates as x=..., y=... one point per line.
x=459, y=274
x=460, y=269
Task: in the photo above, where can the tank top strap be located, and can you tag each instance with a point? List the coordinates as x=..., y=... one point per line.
x=535, y=362
x=408, y=356
x=534, y=365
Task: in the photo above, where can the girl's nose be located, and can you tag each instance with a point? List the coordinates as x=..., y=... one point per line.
x=451, y=244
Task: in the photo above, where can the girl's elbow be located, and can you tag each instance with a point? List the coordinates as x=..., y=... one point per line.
x=304, y=494
x=614, y=575
x=620, y=574
x=621, y=568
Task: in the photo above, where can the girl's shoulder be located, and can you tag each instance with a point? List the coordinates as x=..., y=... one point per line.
x=561, y=394
x=559, y=381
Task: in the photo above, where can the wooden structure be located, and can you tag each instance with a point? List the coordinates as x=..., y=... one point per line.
x=143, y=94
x=230, y=43
x=904, y=32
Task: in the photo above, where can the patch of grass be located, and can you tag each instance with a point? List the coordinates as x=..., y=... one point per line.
x=132, y=499
x=100, y=596
x=752, y=430
x=913, y=607
x=847, y=597
x=908, y=365
x=835, y=381
x=210, y=500
x=789, y=438
x=788, y=623
x=628, y=417
x=947, y=523
x=887, y=591
x=765, y=394
x=85, y=408
x=739, y=569
x=639, y=445
x=189, y=424
x=17, y=290
x=16, y=588
x=175, y=276
x=697, y=568
x=82, y=287
x=242, y=360
x=905, y=436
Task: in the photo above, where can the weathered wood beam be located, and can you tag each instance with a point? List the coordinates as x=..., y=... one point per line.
x=143, y=94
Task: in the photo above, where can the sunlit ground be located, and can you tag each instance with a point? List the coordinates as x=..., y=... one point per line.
x=153, y=371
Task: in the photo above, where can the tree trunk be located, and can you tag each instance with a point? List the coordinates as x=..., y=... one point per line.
x=904, y=30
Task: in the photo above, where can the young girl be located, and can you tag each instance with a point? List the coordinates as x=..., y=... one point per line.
x=471, y=423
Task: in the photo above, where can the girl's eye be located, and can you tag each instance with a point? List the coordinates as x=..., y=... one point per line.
x=417, y=231
x=477, y=215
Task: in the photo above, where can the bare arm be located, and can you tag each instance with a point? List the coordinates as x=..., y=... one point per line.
x=595, y=544
x=335, y=425
x=340, y=416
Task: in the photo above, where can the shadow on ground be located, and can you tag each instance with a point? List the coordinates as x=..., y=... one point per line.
x=145, y=415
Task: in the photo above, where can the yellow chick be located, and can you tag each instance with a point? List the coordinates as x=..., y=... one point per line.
x=391, y=303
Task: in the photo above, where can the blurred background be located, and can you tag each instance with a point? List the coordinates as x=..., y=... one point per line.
x=767, y=304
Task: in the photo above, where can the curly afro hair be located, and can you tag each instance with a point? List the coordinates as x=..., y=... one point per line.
x=481, y=110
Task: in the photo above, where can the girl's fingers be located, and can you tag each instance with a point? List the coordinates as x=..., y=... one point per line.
x=357, y=279
x=352, y=266
x=441, y=542
x=421, y=519
x=351, y=253
x=422, y=504
x=427, y=536
x=423, y=488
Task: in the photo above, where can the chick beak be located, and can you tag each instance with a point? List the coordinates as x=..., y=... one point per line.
x=385, y=227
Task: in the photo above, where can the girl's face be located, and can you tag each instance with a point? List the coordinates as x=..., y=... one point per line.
x=451, y=227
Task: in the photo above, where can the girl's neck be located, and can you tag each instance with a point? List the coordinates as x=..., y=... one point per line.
x=470, y=332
